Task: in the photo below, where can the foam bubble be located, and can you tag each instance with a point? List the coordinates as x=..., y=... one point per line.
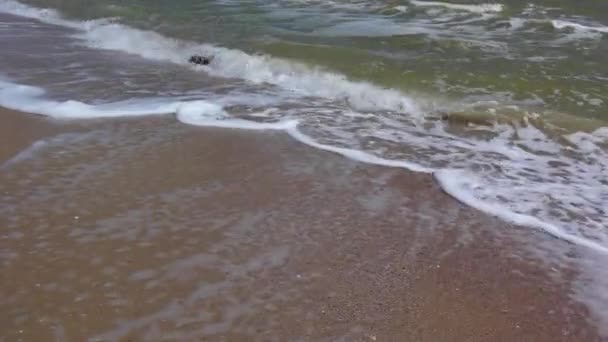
x=589, y=142
x=400, y=8
x=562, y=24
x=241, y=124
x=196, y=109
x=481, y=8
x=517, y=23
x=203, y=113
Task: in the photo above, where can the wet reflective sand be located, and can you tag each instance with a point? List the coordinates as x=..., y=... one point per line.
x=147, y=229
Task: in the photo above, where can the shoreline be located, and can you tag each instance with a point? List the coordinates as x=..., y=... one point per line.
x=217, y=233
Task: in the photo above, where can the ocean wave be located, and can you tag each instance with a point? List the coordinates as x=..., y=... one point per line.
x=258, y=69
x=228, y=63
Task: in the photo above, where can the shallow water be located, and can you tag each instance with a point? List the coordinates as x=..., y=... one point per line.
x=151, y=230
x=506, y=103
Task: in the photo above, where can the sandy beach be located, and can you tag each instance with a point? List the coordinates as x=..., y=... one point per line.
x=150, y=230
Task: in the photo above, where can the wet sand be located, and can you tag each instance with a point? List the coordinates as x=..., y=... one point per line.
x=150, y=230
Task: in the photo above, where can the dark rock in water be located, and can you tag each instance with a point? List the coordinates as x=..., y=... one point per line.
x=201, y=60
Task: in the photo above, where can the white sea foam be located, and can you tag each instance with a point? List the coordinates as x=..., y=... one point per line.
x=461, y=185
x=196, y=112
x=400, y=8
x=589, y=142
x=481, y=8
x=32, y=100
x=202, y=113
x=561, y=24
x=356, y=154
x=517, y=23
x=42, y=14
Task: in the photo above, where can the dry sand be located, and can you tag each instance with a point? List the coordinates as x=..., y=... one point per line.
x=146, y=229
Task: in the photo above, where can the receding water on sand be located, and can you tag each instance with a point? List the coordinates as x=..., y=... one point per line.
x=148, y=229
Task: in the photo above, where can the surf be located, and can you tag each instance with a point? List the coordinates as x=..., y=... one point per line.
x=398, y=119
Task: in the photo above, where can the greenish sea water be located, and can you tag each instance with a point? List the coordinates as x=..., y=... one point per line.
x=518, y=54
